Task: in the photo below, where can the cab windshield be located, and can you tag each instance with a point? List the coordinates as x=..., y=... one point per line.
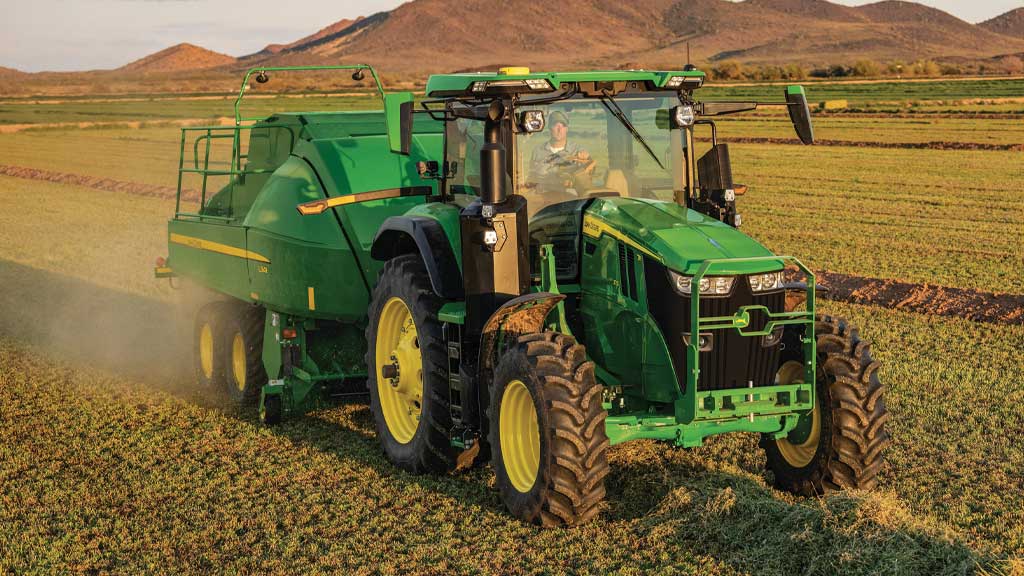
x=583, y=150
x=586, y=149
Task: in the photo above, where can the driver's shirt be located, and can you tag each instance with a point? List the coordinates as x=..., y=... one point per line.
x=546, y=160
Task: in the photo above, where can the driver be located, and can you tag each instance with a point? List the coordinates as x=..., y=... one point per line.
x=560, y=164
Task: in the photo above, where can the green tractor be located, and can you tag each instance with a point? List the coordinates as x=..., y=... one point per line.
x=523, y=268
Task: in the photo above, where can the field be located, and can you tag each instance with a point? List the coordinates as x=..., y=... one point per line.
x=112, y=460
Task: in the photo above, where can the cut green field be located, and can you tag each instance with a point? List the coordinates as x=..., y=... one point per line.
x=952, y=131
x=108, y=473
x=113, y=461
x=49, y=111
x=947, y=217
x=936, y=95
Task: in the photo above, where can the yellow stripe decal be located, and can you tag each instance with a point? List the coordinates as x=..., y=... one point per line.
x=595, y=227
x=201, y=244
x=312, y=298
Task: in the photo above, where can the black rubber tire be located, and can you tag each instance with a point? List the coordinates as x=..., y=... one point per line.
x=272, y=410
x=569, y=489
x=430, y=448
x=248, y=322
x=853, y=416
x=212, y=314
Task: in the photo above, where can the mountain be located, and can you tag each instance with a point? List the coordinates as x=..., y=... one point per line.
x=318, y=35
x=1010, y=24
x=437, y=35
x=10, y=72
x=178, y=58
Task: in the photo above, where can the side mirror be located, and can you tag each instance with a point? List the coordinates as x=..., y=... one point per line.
x=398, y=117
x=799, y=113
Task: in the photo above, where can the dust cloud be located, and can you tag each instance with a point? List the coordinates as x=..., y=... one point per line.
x=141, y=328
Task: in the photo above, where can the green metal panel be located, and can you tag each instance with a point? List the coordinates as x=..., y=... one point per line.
x=681, y=239
x=363, y=162
x=312, y=270
x=211, y=253
x=618, y=331
x=462, y=82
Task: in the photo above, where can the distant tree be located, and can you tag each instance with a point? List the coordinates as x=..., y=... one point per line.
x=926, y=68
x=952, y=70
x=866, y=68
x=727, y=70
x=795, y=72
x=838, y=71
x=1012, y=64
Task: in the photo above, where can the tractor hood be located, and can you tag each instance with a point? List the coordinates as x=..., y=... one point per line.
x=679, y=238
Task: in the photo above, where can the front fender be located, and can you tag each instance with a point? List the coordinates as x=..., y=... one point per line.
x=522, y=315
x=416, y=234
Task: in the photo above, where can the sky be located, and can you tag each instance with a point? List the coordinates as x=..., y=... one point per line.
x=64, y=35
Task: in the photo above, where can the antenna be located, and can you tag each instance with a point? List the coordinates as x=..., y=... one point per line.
x=688, y=61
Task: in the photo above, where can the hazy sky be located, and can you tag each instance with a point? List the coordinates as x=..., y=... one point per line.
x=86, y=34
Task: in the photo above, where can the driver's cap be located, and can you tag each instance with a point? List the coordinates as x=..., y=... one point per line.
x=557, y=116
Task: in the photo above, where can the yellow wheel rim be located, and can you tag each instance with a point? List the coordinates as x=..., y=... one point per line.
x=238, y=361
x=206, y=351
x=519, y=436
x=799, y=455
x=398, y=348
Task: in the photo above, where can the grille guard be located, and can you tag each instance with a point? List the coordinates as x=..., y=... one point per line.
x=750, y=403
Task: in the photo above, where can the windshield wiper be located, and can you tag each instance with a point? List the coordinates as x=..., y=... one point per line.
x=613, y=108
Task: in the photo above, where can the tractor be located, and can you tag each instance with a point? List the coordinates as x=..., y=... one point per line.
x=524, y=269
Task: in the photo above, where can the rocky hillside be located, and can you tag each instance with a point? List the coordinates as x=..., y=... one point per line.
x=177, y=58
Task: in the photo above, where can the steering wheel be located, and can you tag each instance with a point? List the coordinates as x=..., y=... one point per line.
x=573, y=172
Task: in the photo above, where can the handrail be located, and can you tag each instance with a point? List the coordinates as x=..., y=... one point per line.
x=245, y=81
x=235, y=168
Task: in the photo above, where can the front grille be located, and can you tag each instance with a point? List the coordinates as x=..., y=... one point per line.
x=627, y=271
x=734, y=360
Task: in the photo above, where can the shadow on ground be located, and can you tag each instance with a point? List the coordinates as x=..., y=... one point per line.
x=659, y=499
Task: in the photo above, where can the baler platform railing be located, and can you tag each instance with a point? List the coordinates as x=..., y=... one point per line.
x=201, y=163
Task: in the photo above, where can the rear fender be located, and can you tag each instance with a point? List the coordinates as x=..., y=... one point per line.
x=400, y=235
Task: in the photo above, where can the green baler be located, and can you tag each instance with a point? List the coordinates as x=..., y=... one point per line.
x=526, y=268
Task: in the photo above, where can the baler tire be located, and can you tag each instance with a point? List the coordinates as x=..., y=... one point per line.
x=272, y=411
x=568, y=486
x=210, y=371
x=247, y=323
x=429, y=450
x=853, y=438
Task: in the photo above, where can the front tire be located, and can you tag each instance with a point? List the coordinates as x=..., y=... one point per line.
x=547, y=431
x=841, y=444
x=407, y=362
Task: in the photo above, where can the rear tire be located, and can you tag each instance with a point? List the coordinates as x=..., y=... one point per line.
x=411, y=407
x=547, y=431
x=243, y=354
x=272, y=410
x=848, y=449
x=208, y=345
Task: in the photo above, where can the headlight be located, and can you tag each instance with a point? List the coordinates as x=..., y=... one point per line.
x=674, y=82
x=532, y=121
x=709, y=285
x=684, y=115
x=765, y=282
